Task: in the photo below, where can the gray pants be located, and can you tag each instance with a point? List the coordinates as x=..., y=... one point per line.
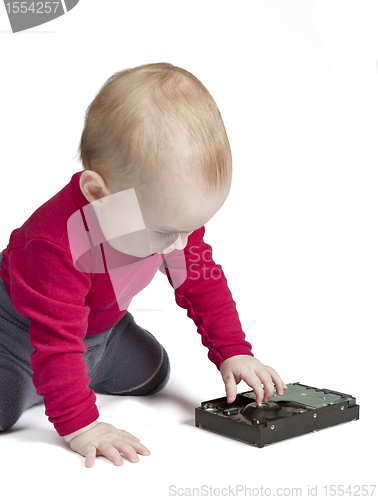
x=125, y=360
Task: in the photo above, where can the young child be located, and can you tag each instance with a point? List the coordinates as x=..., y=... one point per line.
x=157, y=167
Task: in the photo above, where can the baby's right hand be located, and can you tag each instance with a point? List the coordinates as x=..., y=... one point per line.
x=105, y=439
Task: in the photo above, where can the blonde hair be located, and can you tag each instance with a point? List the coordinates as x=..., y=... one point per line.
x=151, y=118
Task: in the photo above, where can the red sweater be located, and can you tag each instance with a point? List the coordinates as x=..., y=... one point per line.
x=65, y=304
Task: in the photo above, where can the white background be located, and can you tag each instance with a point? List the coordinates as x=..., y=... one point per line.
x=297, y=86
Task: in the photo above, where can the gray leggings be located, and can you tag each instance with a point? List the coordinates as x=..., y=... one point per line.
x=125, y=360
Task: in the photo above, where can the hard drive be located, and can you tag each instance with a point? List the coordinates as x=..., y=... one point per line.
x=301, y=409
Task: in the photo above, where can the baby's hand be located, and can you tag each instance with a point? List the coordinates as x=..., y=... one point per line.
x=252, y=371
x=99, y=438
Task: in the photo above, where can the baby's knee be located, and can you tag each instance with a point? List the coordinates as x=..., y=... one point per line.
x=165, y=371
x=9, y=410
x=158, y=382
x=7, y=421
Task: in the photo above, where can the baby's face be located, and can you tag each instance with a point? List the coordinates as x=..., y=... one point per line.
x=172, y=212
x=148, y=219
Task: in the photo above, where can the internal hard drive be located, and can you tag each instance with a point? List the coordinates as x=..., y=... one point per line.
x=301, y=409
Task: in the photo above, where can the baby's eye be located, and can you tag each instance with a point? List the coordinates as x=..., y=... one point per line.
x=168, y=235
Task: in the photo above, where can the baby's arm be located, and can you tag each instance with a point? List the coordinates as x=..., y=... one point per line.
x=99, y=438
x=209, y=302
x=51, y=295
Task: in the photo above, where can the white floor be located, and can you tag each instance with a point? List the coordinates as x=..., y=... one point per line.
x=296, y=83
x=36, y=462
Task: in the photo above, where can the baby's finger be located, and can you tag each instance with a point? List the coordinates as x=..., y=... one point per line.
x=280, y=386
x=253, y=381
x=266, y=380
x=127, y=450
x=141, y=449
x=230, y=385
x=90, y=456
x=131, y=449
x=110, y=452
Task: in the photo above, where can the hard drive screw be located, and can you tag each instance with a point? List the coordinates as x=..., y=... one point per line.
x=342, y=407
x=314, y=415
x=272, y=427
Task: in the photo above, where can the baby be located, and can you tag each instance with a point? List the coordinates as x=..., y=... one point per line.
x=157, y=168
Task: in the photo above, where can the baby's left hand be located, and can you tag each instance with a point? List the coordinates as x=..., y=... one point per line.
x=254, y=373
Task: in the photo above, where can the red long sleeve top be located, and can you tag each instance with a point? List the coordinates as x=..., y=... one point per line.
x=65, y=303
